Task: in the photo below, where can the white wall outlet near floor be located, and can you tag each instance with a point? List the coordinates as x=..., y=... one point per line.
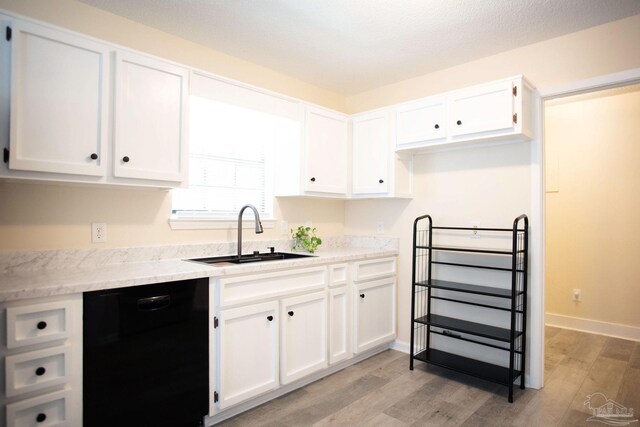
x=98, y=232
x=475, y=234
x=577, y=295
x=380, y=226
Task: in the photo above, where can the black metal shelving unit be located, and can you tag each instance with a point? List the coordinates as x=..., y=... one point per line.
x=509, y=296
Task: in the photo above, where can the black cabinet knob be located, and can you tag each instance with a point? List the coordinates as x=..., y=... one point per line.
x=437, y=126
x=41, y=417
x=381, y=181
x=313, y=179
x=41, y=325
x=269, y=318
x=125, y=159
x=94, y=156
x=361, y=295
x=459, y=122
x=291, y=313
x=40, y=371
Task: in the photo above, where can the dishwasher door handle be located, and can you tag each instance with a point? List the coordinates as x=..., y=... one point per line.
x=154, y=303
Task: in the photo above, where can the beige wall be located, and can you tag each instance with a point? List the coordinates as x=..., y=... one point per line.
x=489, y=184
x=593, y=205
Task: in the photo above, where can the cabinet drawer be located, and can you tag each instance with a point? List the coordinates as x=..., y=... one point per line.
x=35, y=324
x=36, y=370
x=338, y=274
x=367, y=270
x=50, y=410
x=246, y=288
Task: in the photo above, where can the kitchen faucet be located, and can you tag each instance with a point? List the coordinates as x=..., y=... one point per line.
x=258, y=225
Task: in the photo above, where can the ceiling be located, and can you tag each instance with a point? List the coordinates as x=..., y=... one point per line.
x=350, y=46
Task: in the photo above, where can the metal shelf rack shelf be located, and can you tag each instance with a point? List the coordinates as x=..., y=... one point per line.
x=511, y=297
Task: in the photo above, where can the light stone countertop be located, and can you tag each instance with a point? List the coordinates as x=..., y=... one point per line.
x=34, y=283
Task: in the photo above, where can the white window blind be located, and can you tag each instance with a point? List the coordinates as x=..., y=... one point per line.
x=233, y=134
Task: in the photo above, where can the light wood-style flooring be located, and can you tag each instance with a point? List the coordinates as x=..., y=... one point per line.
x=382, y=391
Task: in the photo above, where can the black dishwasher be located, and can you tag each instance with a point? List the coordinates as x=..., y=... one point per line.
x=146, y=355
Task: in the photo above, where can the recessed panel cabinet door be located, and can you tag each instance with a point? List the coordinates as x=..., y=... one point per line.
x=421, y=121
x=59, y=102
x=247, y=352
x=375, y=304
x=150, y=119
x=487, y=108
x=371, y=154
x=304, y=336
x=325, y=151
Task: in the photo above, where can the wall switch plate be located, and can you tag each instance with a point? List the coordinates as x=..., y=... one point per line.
x=380, y=226
x=284, y=228
x=98, y=232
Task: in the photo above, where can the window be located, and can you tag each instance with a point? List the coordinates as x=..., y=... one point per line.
x=234, y=135
x=230, y=161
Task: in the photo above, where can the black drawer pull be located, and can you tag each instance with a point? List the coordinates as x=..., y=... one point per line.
x=40, y=371
x=291, y=313
x=313, y=179
x=41, y=325
x=269, y=318
x=459, y=122
x=437, y=126
x=94, y=156
x=381, y=181
x=41, y=417
x=126, y=159
x=361, y=295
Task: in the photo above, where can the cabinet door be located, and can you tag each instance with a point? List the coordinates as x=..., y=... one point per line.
x=338, y=324
x=375, y=311
x=371, y=154
x=59, y=102
x=151, y=119
x=486, y=108
x=325, y=151
x=247, y=352
x=303, y=336
x=421, y=121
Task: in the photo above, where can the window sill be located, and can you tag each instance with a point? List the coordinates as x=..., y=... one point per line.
x=216, y=224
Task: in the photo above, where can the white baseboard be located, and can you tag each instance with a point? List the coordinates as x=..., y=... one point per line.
x=616, y=330
x=400, y=346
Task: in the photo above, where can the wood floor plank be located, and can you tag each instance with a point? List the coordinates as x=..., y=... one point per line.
x=634, y=360
x=629, y=392
x=605, y=376
x=619, y=349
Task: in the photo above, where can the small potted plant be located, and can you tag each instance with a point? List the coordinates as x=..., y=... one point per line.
x=305, y=238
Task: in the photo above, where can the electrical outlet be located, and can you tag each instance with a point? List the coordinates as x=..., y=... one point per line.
x=98, y=232
x=475, y=234
x=380, y=226
x=577, y=295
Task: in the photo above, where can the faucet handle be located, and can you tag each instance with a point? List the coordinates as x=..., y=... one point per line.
x=272, y=249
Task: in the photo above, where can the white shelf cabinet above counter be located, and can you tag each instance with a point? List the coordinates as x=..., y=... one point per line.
x=495, y=111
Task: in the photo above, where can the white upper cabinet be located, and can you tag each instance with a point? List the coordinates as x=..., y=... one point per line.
x=325, y=151
x=59, y=102
x=370, y=154
x=377, y=171
x=487, y=108
x=151, y=119
x=494, y=111
x=421, y=121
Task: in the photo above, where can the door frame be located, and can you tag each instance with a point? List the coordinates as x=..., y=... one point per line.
x=538, y=208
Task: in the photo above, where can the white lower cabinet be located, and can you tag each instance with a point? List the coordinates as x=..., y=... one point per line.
x=375, y=313
x=273, y=332
x=247, y=351
x=41, y=350
x=303, y=337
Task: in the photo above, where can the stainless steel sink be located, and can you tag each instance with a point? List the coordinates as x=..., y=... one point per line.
x=255, y=257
